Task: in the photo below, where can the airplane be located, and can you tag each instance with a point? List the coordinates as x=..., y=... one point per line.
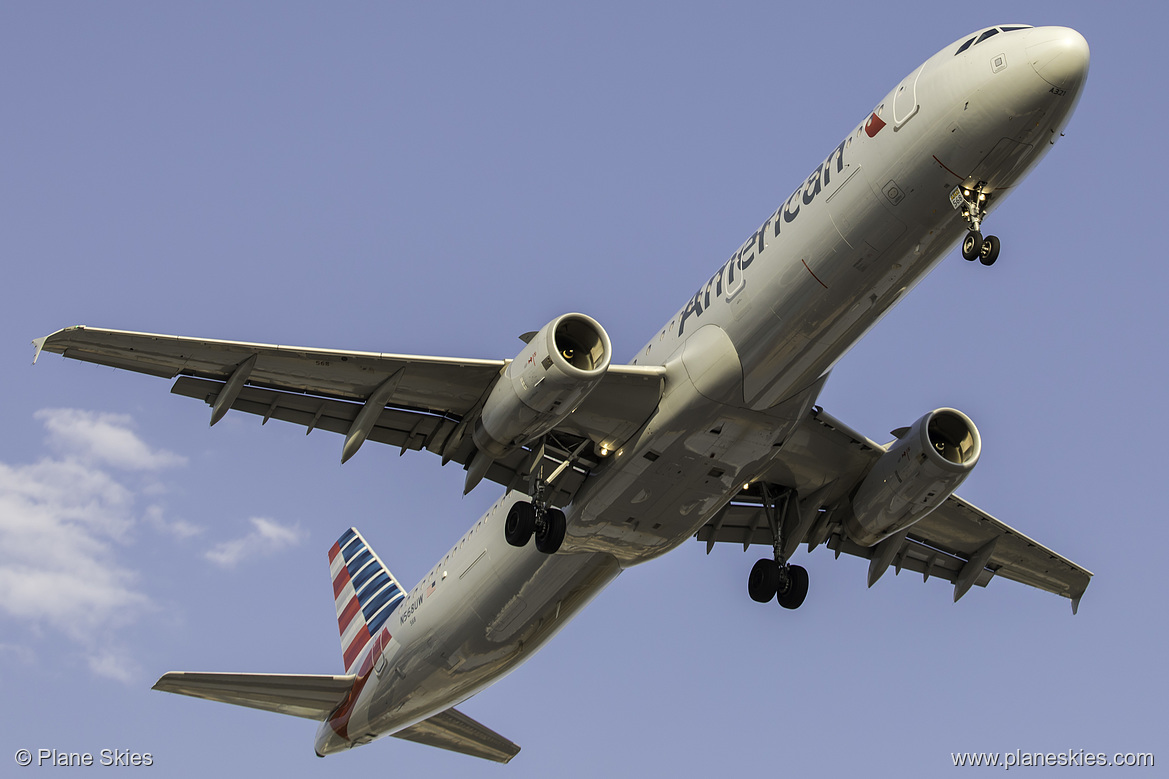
x=712, y=431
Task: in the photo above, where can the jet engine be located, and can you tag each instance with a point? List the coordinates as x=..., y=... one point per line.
x=923, y=467
x=559, y=367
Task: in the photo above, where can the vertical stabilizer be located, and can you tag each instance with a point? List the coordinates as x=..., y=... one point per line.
x=366, y=594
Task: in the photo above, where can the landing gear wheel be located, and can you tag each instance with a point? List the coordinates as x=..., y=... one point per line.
x=989, y=251
x=972, y=245
x=520, y=522
x=763, y=581
x=791, y=593
x=550, y=534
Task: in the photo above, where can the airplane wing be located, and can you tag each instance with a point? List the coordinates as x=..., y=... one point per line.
x=426, y=402
x=957, y=542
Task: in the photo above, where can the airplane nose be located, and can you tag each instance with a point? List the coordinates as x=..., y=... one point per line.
x=1059, y=55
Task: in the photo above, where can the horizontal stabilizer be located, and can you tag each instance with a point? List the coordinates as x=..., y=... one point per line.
x=455, y=731
x=300, y=695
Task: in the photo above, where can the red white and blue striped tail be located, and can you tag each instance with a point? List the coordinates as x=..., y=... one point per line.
x=366, y=594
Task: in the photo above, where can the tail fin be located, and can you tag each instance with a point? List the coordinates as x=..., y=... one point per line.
x=366, y=594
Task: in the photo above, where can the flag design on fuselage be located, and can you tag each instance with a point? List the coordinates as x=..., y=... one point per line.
x=365, y=591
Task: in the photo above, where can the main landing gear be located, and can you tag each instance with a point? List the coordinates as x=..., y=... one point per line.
x=974, y=246
x=772, y=579
x=538, y=518
x=525, y=520
x=776, y=578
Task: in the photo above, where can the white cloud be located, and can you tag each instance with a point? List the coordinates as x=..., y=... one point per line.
x=267, y=537
x=103, y=439
x=66, y=522
x=63, y=522
x=114, y=664
x=179, y=528
x=59, y=523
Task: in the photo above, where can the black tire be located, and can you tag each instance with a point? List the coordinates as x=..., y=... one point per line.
x=520, y=522
x=551, y=536
x=972, y=245
x=990, y=250
x=762, y=582
x=791, y=596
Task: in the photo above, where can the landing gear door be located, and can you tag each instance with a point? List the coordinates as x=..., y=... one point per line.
x=905, y=99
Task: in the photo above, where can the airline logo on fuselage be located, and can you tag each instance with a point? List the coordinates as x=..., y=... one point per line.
x=729, y=278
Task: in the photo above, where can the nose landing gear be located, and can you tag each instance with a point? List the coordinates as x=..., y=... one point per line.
x=975, y=247
x=973, y=203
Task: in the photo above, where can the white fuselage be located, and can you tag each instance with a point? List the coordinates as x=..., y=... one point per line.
x=746, y=357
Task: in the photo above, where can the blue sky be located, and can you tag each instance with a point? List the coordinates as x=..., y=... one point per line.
x=437, y=181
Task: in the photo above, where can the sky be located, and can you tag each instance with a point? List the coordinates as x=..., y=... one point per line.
x=439, y=178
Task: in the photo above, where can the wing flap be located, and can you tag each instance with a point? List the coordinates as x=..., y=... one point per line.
x=412, y=429
x=454, y=731
x=407, y=429
x=747, y=525
x=915, y=556
x=299, y=695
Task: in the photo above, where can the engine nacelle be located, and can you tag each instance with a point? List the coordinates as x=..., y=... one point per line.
x=546, y=381
x=921, y=469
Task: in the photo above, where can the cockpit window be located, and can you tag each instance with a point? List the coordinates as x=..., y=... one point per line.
x=992, y=31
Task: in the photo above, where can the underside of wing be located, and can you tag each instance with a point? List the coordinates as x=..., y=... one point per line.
x=807, y=493
x=299, y=695
x=411, y=402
